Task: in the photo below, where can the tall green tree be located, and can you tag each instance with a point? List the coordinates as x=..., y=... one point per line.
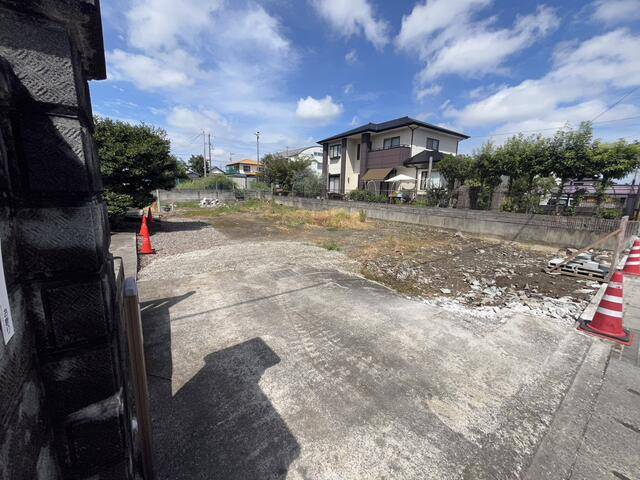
x=196, y=164
x=614, y=161
x=456, y=170
x=282, y=171
x=571, y=155
x=134, y=161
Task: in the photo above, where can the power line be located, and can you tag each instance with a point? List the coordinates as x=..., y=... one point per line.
x=614, y=104
x=498, y=134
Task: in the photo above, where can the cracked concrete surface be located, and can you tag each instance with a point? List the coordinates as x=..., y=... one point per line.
x=287, y=365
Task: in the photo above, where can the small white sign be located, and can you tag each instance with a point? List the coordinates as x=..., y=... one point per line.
x=6, y=322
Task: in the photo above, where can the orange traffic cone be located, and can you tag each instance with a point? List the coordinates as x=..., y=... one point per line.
x=632, y=266
x=144, y=229
x=607, y=322
x=147, y=248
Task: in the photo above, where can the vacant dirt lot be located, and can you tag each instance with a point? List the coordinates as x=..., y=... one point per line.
x=482, y=277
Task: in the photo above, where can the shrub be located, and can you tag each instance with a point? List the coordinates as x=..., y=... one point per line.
x=367, y=196
x=214, y=182
x=609, y=213
x=307, y=184
x=261, y=186
x=362, y=216
x=437, y=197
x=117, y=205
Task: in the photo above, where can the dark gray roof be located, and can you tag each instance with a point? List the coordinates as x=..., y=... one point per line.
x=422, y=158
x=292, y=152
x=391, y=124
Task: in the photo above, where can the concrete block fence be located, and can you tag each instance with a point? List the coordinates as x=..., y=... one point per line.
x=550, y=230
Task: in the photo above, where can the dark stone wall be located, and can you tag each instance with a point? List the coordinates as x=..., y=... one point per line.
x=64, y=411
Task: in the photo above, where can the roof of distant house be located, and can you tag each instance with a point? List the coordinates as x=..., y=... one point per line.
x=292, y=152
x=390, y=125
x=246, y=161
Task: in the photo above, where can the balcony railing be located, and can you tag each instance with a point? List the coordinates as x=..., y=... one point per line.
x=389, y=148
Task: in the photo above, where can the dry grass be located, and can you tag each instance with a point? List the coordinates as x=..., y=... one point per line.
x=282, y=216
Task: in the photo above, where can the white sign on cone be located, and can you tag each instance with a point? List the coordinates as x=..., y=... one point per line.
x=6, y=322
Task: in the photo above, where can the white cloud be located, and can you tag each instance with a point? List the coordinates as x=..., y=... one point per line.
x=146, y=72
x=421, y=93
x=207, y=61
x=318, y=110
x=348, y=89
x=351, y=57
x=163, y=24
x=616, y=11
x=449, y=41
x=355, y=121
x=601, y=67
x=354, y=17
x=432, y=16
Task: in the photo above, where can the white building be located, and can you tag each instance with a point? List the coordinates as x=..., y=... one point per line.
x=314, y=154
x=366, y=156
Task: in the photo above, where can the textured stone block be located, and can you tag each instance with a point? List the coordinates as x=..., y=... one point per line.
x=25, y=452
x=94, y=439
x=80, y=379
x=57, y=240
x=40, y=54
x=15, y=357
x=54, y=154
x=5, y=186
x=9, y=247
x=69, y=315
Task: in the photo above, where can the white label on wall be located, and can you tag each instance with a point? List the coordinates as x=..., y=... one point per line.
x=5, y=310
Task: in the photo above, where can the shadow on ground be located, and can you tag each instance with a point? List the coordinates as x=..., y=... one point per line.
x=219, y=424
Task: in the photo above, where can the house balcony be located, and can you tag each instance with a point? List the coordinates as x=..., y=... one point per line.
x=388, y=157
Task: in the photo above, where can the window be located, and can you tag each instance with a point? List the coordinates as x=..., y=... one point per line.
x=358, y=152
x=334, y=183
x=423, y=180
x=391, y=143
x=246, y=168
x=433, y=144
x=335, y=150
x=317, y=154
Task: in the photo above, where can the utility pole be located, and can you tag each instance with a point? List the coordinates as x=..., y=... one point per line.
x=209, y=140
x=257, y=134
x=204, y=153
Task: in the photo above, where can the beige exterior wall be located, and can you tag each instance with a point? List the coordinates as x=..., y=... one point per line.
x=448, y=144
x=352, y=170
x=334, y=165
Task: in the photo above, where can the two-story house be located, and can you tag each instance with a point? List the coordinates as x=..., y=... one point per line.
x=366, y=156
x=244, y=172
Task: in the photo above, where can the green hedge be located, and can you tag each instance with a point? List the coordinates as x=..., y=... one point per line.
x=214, y=182
x=367, y=196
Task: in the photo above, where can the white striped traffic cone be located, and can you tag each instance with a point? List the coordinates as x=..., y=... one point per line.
x=607, y=322
x=632, y=266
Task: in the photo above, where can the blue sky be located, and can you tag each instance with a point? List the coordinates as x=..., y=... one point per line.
x=301, y=70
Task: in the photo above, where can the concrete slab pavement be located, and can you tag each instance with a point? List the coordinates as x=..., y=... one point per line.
x=275, y=368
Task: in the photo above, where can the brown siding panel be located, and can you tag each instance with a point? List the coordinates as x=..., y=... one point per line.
x=393, y=157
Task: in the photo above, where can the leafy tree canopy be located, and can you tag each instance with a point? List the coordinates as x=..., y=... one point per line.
x=282, y=171
x=135, y=159
x=196, y=163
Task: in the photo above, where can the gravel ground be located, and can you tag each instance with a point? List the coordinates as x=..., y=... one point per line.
x=180, y=235
x=484, y=279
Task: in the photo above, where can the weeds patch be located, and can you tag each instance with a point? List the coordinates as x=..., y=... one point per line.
x=280, y=215
x=330, y=245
